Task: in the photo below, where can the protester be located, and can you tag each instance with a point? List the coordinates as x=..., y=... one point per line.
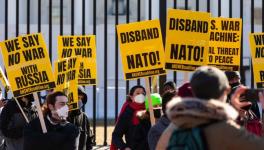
x=128, y=120
x=12, y=121
x=128, y=98
x=169, y=85
x=61, y=135
x=249, y=115
x=80, y=119
x=156, y=131
x=215, y=118
x=140, y=137
x=156, y=105
x=233, y=78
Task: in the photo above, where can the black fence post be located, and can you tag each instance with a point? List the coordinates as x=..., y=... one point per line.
x=6, y=32
x=105, y=73
x=242, y=69
x=163, y=18
x=127, y=21
x=138, y=19
x=39, y=16
x=116, y=61
x=94, y=86
x=175, y=72
x=17, y=17
x=50, y=30
x=28, y=16
x=252, y=31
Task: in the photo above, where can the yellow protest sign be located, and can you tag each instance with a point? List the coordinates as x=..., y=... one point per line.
x=66, y=74
x=257, y=55
x=27, y=64
x=82, y=46
x=4, y=80
x=224, y=45
x=187, y=39
x=141, y=48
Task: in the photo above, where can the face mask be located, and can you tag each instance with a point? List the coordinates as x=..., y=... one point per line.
x=234, y=85
x=157, y=113
x=140, y=98
x=63, y=112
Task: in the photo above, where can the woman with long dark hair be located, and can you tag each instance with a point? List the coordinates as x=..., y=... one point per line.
x=128, y=119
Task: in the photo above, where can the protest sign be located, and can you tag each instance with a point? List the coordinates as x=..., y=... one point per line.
x=141, y=48
x=187, y=39
x=27, y=64
x=257, y=55
x=66, y=74
x=84, y=47
x=224, y=45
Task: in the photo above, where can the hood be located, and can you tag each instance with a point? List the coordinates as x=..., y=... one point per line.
x=191, y=112
x=81, y=90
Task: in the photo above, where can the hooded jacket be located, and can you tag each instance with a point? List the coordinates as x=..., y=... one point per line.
x=156, y=131
x=222, y=134
x=80, y=119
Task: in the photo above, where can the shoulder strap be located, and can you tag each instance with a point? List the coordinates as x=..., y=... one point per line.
x=202, y=133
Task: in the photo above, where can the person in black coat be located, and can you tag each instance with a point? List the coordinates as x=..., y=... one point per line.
x=80, y=119
x=128, y=122
x=61, y=135
x=12, y=121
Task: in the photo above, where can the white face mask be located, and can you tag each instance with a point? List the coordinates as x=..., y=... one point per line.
x=140, y=98
x=63, y=112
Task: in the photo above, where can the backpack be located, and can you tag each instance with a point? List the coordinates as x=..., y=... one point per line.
x=188, y=139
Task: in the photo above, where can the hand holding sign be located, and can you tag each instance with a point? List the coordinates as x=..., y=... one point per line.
x=142, y=52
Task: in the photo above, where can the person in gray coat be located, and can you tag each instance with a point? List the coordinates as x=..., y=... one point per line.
x=156, y=131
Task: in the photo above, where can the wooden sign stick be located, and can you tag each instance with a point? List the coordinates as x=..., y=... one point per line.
x=152, y=119
x=40, y=114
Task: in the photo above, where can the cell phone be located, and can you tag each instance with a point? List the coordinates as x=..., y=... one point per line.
x=252, y=95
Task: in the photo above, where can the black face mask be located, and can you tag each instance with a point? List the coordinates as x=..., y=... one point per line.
x=234, y=85
x=157, y=113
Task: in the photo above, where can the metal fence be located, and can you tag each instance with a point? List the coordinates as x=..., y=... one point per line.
x=161, y=7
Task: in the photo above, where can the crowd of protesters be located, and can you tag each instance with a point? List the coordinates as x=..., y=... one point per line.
x=65, y=130
x=208, y=112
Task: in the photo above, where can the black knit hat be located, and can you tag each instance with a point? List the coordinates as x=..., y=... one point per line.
x=170, y=84
x=232, y=74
